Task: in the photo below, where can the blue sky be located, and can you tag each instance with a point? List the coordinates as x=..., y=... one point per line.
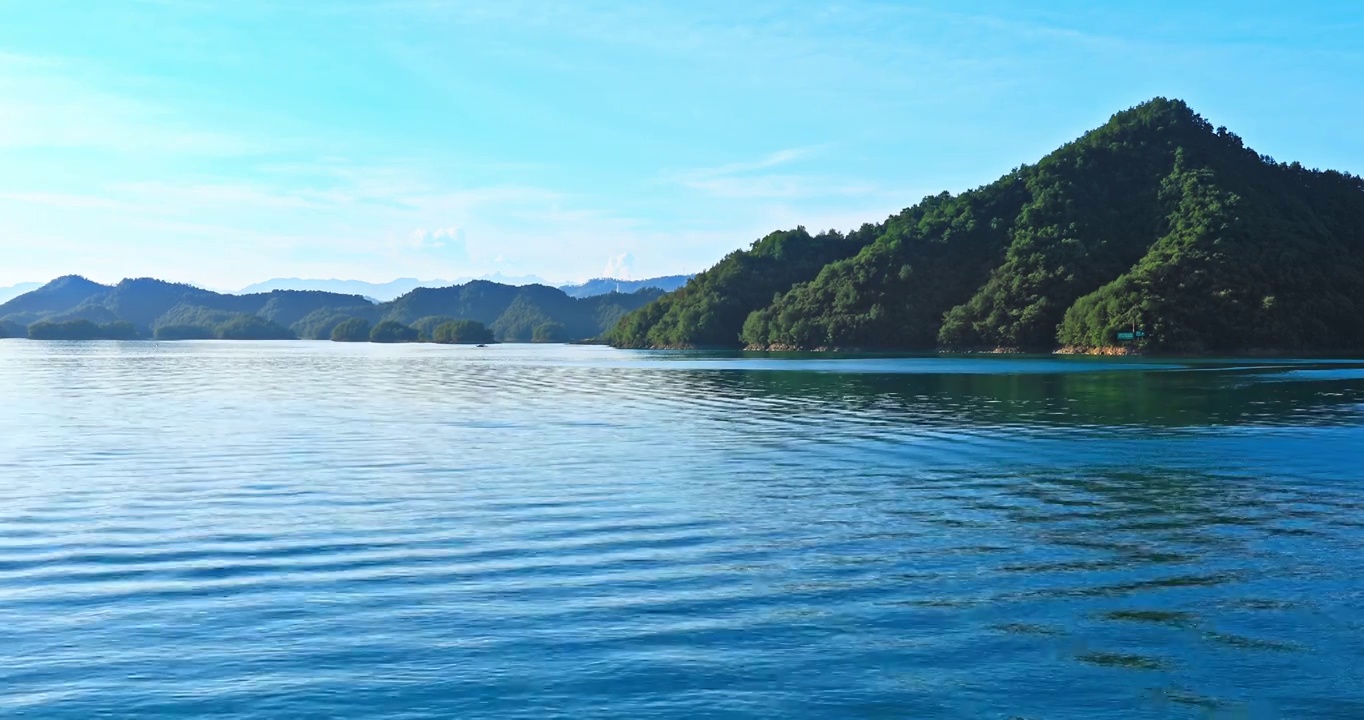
x=223, y=143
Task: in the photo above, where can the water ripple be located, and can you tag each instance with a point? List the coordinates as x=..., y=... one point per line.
x=255, y=530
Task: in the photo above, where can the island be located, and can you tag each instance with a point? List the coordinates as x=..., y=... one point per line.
x=1154, y=233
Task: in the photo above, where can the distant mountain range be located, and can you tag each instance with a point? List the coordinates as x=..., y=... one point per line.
x=602, y=286
x=14, y=291
x=383, y=292
x=379, y=292
x=149, y=307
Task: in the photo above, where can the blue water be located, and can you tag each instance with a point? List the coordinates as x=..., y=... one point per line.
x=317, y=530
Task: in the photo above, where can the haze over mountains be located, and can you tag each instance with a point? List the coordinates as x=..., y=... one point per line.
x=383, y=292
x=14, y=291
x=602, y=286
x=1156, y=222
x=380, y=292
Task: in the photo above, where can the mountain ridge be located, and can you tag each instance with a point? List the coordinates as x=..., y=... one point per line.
x=150, y=307
x=1154, y=222
x=391, y=290
x=604, y=285
x=14, y=291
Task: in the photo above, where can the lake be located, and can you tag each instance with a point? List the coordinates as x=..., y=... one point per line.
x=318, y=530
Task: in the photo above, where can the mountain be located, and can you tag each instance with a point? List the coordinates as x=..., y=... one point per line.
x=378, y=292
x=1155, y=222
x=514, y=313
x=148, y=304
x=14, y=291
x=602, y=286
x=710, y=309
x=74, y=307
x=64, y=293
x=383, y=292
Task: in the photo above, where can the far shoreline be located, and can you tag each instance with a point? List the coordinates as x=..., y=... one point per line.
x=780, y=351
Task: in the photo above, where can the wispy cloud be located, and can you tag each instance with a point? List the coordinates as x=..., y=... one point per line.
x=775, y=159
x=62, y=200
x=780, y=187
x=52, y=103
x=451, y=242
x=382, y=220
x=753, y=179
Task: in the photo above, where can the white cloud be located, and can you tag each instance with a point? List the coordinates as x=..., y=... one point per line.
x=450, y=241
x=620, y=267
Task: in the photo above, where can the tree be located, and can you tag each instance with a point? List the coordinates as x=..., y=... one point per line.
x=463, y=331
x=70, y=330
x=392, y=331
x=252, y=327
x=426, y=326
x=712, y=308
x=549, y=332
x=352, y=330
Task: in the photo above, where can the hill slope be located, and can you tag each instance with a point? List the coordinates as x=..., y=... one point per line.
x=710, y=309
x=175, y=311
x=148, y=304
x=379, y=292
x=14, y=291
x=392, y=290
x=515, y=314
x=1155, y=221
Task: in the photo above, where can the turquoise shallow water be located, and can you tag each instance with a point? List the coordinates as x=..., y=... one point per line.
x=310, y=530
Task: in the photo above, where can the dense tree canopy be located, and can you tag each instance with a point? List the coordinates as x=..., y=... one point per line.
x=392, y=331
x=1155, y=222
x=187, y=315
x=711, y=309
x=462, y=331
x=319, y=324
x=426, y=326
x=10, y=329
x=548, y=332
x=352, y=330
x=81, y=330
x=150, y=305
x=252, y=327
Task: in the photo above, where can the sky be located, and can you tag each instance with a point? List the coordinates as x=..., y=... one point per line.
x=225, y=143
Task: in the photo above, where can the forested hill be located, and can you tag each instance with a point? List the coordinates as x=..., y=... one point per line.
x=1155, y=222
x=73, y=307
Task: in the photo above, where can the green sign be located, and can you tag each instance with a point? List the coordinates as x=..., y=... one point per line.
x=1126, y=336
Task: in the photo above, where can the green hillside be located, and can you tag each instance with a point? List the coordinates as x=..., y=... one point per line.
x=530, y=313
x=171, y=311
x=711, y=308
x=1155, y=222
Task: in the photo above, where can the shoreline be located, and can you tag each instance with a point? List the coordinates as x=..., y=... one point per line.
x=1064, y=350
